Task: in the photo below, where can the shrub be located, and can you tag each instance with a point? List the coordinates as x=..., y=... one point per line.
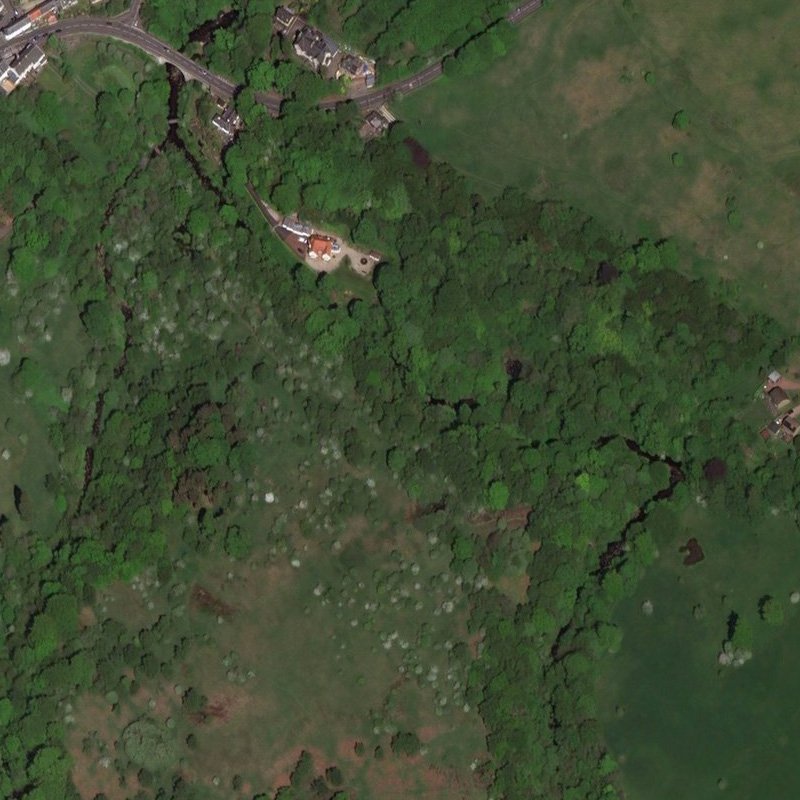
x=771, y=610
x=149, y=744
x=405, y=744
x=680, y=121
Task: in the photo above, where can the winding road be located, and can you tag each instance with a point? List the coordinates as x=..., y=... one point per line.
x=126, y=28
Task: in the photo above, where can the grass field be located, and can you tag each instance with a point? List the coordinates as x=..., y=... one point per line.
x=345, y=625
x=582, y=110
x=678, y=723
x=308, y=646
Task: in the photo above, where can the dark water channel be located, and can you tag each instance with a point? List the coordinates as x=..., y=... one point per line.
x=616, y=549
x=204, y=33
x=176, y=83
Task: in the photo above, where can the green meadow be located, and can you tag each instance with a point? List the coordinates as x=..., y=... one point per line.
x=582, y=110
x=677, y=722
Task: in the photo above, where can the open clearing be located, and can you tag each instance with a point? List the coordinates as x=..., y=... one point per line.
x=678, y=723
x=331, y=642
x=569, y=115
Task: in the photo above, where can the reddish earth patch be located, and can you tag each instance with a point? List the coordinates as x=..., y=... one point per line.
x=86, y=617
x=419, y=155
x=6, y=223
x=715, y=469
x=514, y=517
x=94, y=718
x=474, y=642
x=220, y=707
x=396, y=777
x=515, y=587
x=694, y=553
x=203, y=600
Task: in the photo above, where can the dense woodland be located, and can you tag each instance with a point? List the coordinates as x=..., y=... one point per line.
x=511, y=356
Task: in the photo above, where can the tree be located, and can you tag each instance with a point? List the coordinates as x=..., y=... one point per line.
x=680, y=121
x=405, y=743
x=771, y=610
x=498, y=495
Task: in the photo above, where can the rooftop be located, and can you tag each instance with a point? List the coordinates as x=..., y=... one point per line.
x=320, y=245
x=315, y=46
x=284, y=16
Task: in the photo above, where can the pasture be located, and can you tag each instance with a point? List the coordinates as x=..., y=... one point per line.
x=678, y=723
x=582, y=110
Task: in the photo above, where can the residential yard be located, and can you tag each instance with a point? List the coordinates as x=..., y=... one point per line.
x=582, y=110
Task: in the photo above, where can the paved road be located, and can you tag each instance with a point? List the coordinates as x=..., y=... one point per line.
x=383, y=94
x=132, y=14
x=520, y=12
x=125, y=29
x=379, y=96
x=124, y=32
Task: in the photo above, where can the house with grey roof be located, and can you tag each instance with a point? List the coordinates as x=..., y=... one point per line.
x=315, y=47
x=28, y=62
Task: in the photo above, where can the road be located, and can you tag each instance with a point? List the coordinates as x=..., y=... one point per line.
x=131, y=16
x=520, y=12
x=384, y=94
x=125, y=28
x=124, y=32
x=379, y=96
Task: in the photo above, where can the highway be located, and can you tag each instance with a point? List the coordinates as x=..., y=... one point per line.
x=125, y=28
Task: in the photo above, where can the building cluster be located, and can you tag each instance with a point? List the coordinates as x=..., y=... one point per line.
x=227, y=122
x=45, y=13
x=321, y=52
x=785, y=423
x=29, y=61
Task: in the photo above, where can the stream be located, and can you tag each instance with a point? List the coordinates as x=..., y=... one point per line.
x=616, y=549
x=176, y=83
x=204, y=33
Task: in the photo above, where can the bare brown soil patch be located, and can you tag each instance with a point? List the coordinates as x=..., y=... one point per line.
x=693, y=552
x=515, y=587
x=513, y=517
x=399, y=777
x=474, y=643
x=89, y=775
x=596, y=92
x=87, y=617
x=203, y=600
x=701, y=208
x=222, y=707
x=6, y=223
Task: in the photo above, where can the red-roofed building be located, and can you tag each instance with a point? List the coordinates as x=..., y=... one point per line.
x=320, y=247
